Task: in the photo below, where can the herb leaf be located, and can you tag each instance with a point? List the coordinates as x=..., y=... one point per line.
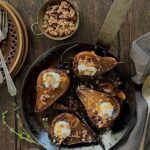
x=22, y=134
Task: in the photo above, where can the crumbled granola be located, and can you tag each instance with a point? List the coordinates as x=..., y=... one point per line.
x=60, y=20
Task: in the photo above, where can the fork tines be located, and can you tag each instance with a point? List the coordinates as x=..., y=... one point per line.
x=3, y=22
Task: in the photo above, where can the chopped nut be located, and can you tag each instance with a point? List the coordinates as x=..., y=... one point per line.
x=83, y=140
x=89, y=139
x=60, y=20
x=67, y=71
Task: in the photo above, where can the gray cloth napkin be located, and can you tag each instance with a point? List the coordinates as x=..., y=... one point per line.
x=135, y=137
x=140, y=55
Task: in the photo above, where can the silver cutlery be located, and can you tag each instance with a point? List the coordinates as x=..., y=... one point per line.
x=1, y=78
x=4, y=30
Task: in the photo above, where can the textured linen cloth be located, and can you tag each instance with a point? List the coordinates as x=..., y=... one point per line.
x=140, y=55
x=135, y=137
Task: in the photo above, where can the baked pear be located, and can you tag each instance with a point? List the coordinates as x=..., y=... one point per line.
x=68, y=130
x=51, y=85
x=87, y=63
x=120, y=95
x=112, y=88
x=101, y=109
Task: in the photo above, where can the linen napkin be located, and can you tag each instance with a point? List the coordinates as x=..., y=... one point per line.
x=140, y=55
x=135, y=137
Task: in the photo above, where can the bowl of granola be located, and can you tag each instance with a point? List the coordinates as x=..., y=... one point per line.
x=57, y=19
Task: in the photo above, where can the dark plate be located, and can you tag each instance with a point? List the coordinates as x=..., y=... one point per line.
x=39, y=129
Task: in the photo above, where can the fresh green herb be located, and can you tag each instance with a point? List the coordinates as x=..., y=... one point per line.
x=22, y=134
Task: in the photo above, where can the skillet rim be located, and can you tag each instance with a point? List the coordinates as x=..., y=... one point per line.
x=132, y=121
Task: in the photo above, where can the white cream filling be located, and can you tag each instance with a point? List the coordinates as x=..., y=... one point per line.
x=51, y=78
x=105, y=108
x=62, y=129
x=87, y=70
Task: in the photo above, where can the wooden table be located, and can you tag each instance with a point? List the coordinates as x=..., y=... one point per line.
x=92, y=15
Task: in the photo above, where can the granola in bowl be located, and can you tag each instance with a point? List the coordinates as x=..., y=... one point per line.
x=60, y=19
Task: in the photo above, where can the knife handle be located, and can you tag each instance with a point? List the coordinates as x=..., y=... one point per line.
x=142, y=145
x=10, y=84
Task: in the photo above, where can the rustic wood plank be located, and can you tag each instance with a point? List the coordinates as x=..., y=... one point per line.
x=86, y=28
x=92, y=16
x=136, y=24
x=7, y=140
x=35, y=49
x=90, y=24
x=6, y=104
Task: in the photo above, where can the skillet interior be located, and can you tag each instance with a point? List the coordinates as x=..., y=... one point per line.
x=39, y=129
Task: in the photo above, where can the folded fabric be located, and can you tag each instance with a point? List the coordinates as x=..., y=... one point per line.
x=140, y=55
x=135, y=137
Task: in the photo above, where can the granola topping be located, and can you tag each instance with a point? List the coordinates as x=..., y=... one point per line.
x=51, y=79
x=60, y=20
x=87, y=68
x=62, y=130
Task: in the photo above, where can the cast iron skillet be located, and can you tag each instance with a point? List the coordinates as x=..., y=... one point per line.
x=61, y=55
x=34, y=122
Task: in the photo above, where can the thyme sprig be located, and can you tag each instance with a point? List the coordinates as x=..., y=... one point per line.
x=22, y=134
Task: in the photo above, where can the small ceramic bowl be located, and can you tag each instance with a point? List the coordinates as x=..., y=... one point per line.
x=41, y=13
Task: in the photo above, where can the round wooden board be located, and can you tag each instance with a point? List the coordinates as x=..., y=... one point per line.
x=13, y=45
x=25, y=38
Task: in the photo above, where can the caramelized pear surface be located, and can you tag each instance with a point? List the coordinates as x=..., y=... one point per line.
x=51, y=85
x=101, y=109
x=72, y=130
x=89, y=64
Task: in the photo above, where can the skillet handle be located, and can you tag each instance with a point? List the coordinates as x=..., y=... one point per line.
x=113, y=22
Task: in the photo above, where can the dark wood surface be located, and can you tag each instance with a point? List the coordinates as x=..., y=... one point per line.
x=92, y=15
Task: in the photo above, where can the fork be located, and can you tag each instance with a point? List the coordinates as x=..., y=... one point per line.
x=4, y=30
x=1, y=76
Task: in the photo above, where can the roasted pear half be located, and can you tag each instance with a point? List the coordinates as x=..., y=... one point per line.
x=89, y=64
x=101, y=109
x=51, y=84
x=68, y=130
x=112, y=88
